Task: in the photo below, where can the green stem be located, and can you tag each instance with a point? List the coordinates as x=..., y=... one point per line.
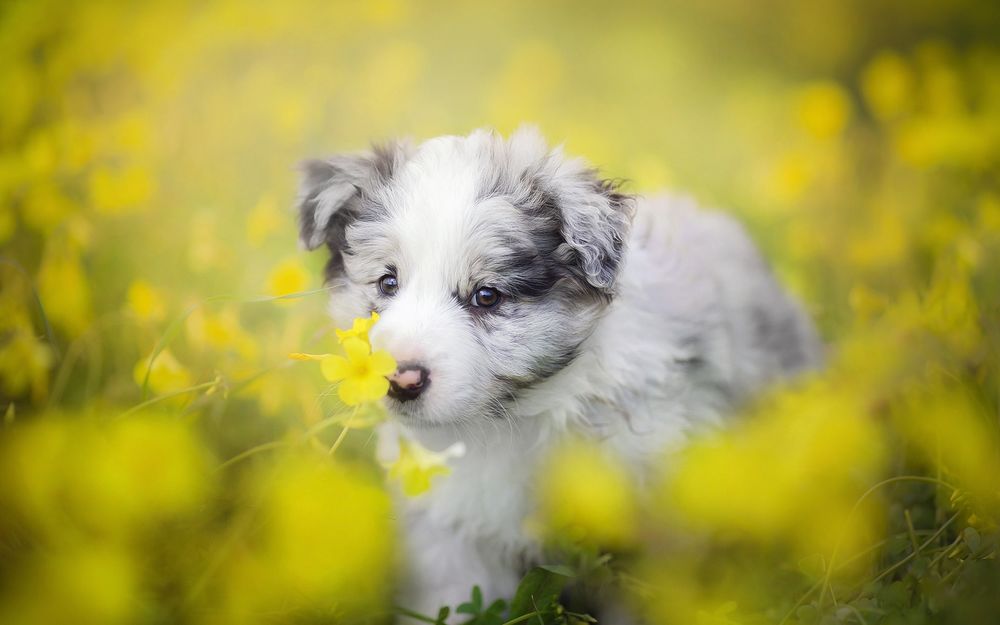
x=343, y=433
x=159, y=398
x=854, y=509
x=522, y=618
x=913, y=555
x=414, y=615
x=250, y=452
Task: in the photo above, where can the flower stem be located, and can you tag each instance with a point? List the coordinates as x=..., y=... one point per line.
x=343, y=432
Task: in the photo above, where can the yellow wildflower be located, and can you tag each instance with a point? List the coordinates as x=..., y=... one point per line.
x=887, y=85
x=93, y=583
x=167, y=375
x=360, y=328
x=146, y=302
x=586, y=495
x=118, y=191
x=24, y=363
x=823, y=109
x=360, y=372
x=65, y=290
x=288, y=277
x=416, y=465
x=323, y=543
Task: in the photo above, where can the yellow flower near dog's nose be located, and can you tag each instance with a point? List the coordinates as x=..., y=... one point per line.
x=360, y=372
x=359, y=330
x=416, y=465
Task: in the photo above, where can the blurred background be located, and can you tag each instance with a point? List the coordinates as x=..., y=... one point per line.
x=158, y=459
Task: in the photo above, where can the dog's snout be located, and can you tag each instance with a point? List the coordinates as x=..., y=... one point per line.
x=408, y=381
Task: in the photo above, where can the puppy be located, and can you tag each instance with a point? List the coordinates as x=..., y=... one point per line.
x=525, y=298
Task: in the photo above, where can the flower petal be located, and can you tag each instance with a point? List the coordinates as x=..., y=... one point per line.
x=349, y=393
x=335, y=368
x=374, y=387
x=357, y=350
x=382, y=363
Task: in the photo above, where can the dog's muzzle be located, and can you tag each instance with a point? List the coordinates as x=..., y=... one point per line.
x=409, y=381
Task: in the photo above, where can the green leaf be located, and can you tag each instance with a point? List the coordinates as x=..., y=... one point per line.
x=537, y=590
x=894, y=596
x=474, y=607
x=442, y=616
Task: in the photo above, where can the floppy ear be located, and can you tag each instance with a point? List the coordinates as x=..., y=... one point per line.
x=592, y=216
x=595, y=222
x=331, y=188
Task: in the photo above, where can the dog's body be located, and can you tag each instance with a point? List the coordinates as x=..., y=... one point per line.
x=535, y=305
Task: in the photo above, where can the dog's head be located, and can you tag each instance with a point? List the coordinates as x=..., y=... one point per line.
x=488, y=260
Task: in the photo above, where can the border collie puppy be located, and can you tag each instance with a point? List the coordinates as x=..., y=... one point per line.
x=525, y=298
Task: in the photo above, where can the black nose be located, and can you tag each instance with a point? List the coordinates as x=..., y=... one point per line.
x=409, y=381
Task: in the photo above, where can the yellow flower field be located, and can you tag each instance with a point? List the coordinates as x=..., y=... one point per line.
x=163, y=460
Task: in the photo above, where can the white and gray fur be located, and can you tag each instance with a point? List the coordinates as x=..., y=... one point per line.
x=635, y=321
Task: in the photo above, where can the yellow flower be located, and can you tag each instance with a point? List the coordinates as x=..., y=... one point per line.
x=587, y=496
x=887, y=85
x=360, y=328
x=416, y=465
x=118, y=191
x=167, y=375
x=323, y=543
x=288, y=277
x=64, y=289
x=360, y=372
x=823, y=109
x=145, y=301
x=24, y=362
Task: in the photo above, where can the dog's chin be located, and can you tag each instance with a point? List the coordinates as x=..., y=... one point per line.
x=415, y=414
x=420, y=414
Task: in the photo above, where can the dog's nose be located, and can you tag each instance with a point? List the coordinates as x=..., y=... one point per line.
x=409, y=381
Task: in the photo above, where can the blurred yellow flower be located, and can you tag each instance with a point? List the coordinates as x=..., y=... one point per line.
x=64, y=289
x=417, y=465
x=587, y=496
x=167, y=375
x=88, y=585
x=114, y=191
x=955, y=434
x=24, y=362
x=73, y=476
x=46, y=206
x=323, y=542
x=361, y=374
x=289, y=276
x=822, y=109
x=887, y=85
x=220, y=330
x=145, y=301
x=791, y=473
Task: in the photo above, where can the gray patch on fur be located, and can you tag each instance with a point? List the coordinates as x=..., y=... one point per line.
x=336, y=191
x=580, y=220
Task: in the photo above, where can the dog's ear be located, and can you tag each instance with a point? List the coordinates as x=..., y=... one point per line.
x=331, y=190
x=595, y=222
x=592, y=216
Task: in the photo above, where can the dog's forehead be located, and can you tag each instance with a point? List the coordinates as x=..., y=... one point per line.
x=441, y=221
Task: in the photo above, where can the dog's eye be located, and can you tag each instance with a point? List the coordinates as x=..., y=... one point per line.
x=388, y=285
x=486, y=297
